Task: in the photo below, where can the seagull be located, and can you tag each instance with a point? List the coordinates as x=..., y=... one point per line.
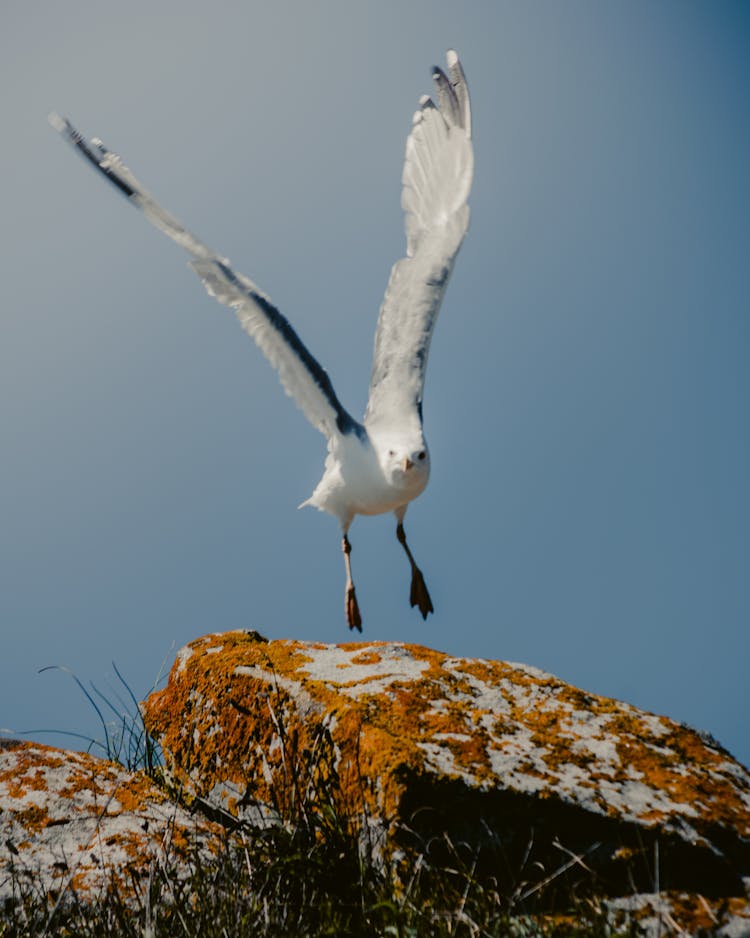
x=382, y=463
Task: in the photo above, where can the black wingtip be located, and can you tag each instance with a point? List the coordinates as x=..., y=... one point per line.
x=88, y=149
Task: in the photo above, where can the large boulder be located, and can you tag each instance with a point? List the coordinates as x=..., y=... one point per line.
x=75, y=826
x=539, y=784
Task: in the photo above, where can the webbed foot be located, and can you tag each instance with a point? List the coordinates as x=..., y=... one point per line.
x=353, y=616
x=419, y=595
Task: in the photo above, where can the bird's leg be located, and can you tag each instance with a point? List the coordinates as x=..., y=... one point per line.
x=418, y=595
x=353, y=617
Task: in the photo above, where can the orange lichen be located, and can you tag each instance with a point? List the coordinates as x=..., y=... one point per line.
x=33, y=818
x=370, y=656
x=137, y=792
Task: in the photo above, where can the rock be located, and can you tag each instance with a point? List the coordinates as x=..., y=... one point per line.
x=71, y=824
x=655, y=915
x=543, y=787
x=556, y=798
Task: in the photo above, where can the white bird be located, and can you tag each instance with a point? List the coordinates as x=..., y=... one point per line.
x=382, y=463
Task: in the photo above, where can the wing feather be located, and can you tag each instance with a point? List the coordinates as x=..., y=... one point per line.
x=437, y=177
x=301, y=375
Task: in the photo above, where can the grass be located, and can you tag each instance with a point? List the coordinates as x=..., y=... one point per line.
x=284, y=882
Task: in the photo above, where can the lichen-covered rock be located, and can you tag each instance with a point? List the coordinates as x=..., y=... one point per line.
x=71, y=823
x=655, y=915
x=527, y=770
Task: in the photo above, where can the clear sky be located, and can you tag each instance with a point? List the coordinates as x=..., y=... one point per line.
x=587, y=396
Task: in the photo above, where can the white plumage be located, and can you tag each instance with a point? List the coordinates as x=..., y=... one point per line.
x=382, y=463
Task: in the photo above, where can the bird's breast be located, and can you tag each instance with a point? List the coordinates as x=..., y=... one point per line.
x=354, y=484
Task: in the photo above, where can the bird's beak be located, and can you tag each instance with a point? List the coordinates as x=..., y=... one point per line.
x=407, y=464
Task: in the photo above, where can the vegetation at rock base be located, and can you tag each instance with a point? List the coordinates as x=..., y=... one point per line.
x=279, y=883
x=309, y=876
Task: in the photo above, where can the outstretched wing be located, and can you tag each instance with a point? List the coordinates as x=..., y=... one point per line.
x=303, y=378
x=436, y=183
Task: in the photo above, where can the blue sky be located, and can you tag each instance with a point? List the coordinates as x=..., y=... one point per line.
x=587, y=396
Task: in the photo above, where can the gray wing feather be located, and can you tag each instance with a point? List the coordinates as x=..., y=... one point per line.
x=436, y=180
x=301, y=375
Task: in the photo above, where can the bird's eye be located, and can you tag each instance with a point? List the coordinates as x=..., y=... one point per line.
x=422, y=454
x=391, y=452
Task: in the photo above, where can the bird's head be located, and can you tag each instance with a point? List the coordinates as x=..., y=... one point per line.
x=406, y=463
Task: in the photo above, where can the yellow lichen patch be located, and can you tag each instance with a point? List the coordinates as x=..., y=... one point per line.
x=95, y=781
x=255, y=713
x=28, y=771
x=137, y=792
x=470, y=753
x=693, y=913
x=33, y=818
x=357, y=648
x=357, y=682
x=367, y=657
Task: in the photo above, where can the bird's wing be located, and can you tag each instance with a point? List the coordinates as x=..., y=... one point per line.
x=301, y=375
x=436, y=183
